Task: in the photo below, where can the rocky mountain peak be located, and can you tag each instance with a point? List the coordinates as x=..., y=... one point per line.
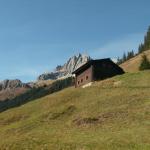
x=66, y=70
x=75, y=62
x=11, y=84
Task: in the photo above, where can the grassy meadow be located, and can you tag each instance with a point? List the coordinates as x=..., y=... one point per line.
x=113, y=114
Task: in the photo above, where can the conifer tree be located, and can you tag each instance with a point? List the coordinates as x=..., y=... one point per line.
x=148, y=39
x=124, y=57
x=140, y=48
x=119, y=61
x=145, y=64
x=146, y=45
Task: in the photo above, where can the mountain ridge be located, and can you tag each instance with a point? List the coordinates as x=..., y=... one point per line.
x=10, y=84
x=66, y=70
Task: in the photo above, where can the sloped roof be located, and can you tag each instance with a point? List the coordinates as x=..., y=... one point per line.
x=89, y=63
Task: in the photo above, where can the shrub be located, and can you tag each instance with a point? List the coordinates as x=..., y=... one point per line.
x=145, y=64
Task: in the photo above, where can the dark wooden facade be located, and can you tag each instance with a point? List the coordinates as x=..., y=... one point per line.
x=96, y=70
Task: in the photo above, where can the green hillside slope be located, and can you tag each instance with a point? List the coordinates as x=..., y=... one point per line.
x=110, y=115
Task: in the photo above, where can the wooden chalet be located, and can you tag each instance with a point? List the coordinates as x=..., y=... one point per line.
x=95, y=70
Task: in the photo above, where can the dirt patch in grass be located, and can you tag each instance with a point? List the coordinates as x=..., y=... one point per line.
x=53, y=116
x=13, y=119
x=85, y=121
x=101, y=119
x=23, y=129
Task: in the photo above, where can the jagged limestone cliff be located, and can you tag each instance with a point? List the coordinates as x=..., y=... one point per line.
x=66, y=70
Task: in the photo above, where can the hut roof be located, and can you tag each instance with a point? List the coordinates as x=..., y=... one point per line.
x=89, y=63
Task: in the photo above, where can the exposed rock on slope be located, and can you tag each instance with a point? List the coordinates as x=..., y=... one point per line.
x=12, y=84
x=12, y=88
x=64, y=71
x=51, y=75
x=75, y=62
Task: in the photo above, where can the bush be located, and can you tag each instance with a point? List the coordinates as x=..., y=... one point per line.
x=145, y=64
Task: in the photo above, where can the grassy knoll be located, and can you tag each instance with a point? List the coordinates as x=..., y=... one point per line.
x=110, y=115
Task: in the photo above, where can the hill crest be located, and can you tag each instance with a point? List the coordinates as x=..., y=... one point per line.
x=132, y=65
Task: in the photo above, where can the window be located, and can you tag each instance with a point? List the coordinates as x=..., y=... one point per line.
x=78, y=82
x=81, y=80
x=87, y=77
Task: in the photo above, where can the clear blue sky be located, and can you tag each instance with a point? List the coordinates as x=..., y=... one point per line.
x=37, y=35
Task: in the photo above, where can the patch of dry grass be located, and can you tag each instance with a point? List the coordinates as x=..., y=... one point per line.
x=132, y=65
